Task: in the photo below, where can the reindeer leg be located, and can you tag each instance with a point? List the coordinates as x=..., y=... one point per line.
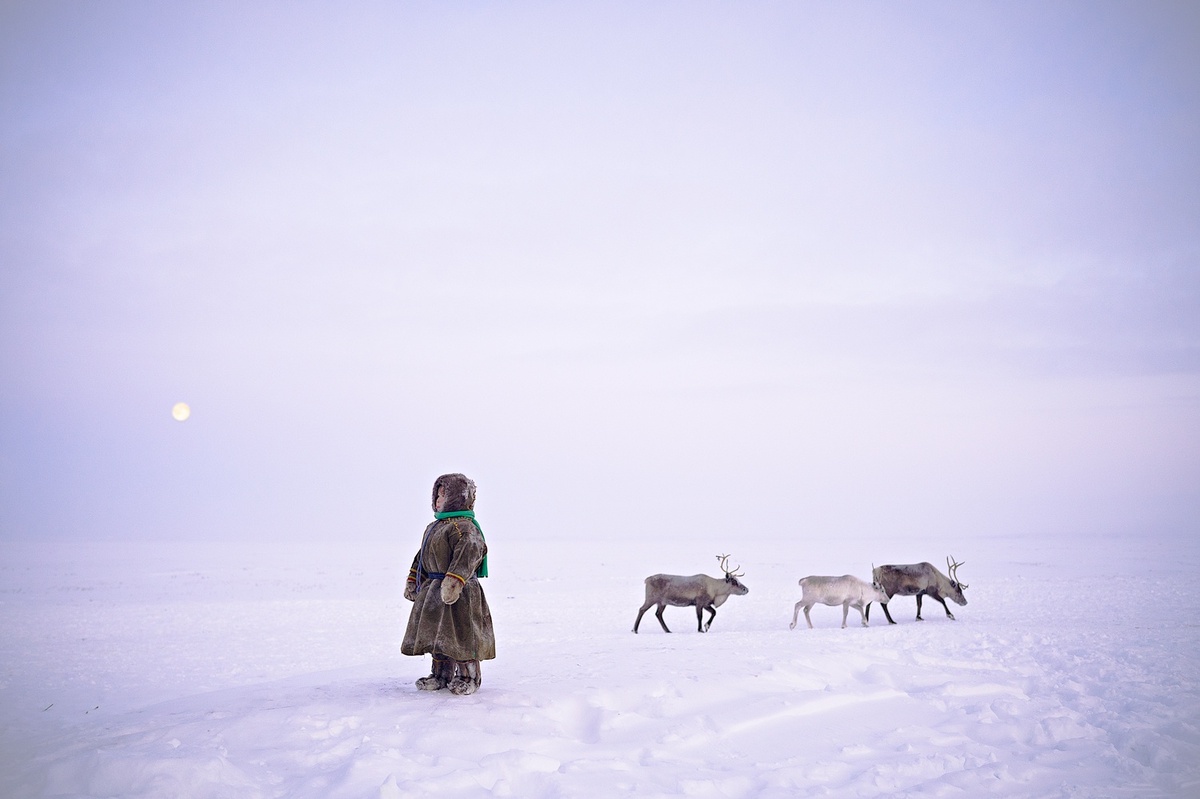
x=948, y=613
x=658, y=614
x=638, y=621
x=887, y=613
x=808, y=618
x=795, y=615
x=845, y=613
x=919, y=607
x=700, y=618
x=862, y=615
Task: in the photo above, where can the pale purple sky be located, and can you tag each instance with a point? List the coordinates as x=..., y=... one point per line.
x=828, y=268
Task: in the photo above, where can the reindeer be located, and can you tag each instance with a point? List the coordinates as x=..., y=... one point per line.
x=847, y=591
x=919, y=579
x=699, y=590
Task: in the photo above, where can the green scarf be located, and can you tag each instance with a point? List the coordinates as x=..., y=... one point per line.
x=469, y=514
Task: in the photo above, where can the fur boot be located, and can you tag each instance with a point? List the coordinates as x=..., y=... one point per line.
x=468, y=679
x=441, y=675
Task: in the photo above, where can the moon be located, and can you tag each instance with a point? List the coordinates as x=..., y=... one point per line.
x=181, y=411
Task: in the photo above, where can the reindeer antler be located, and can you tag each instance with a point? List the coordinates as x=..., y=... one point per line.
x=724, y=559
x=953, y=568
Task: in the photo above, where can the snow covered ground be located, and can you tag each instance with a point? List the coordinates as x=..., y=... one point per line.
x=250, y=671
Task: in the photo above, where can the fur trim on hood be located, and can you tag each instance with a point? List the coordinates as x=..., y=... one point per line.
x=460, y=492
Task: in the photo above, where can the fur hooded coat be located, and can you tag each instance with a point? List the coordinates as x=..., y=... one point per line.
x=463, y=630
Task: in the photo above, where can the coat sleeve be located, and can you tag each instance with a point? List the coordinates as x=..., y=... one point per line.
x=469, y=549
x=410, y=582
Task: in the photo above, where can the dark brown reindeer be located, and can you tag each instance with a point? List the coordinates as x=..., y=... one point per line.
x=699, y=590
x=919, y=579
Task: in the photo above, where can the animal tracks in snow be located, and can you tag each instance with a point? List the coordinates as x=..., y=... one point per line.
x=1012, y=700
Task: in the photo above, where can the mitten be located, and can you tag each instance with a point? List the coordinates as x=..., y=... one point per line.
x=452, y=587
x=410, y=590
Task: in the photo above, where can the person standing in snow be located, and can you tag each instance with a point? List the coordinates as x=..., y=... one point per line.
x=450, y=618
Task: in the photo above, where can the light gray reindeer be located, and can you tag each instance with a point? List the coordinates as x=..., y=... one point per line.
x=847, y=591
x=919, y=579
x=699, y=590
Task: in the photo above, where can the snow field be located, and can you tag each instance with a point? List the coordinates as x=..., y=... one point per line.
x=220, y=672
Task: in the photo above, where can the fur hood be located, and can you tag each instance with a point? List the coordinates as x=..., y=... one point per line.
x=460, y=492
